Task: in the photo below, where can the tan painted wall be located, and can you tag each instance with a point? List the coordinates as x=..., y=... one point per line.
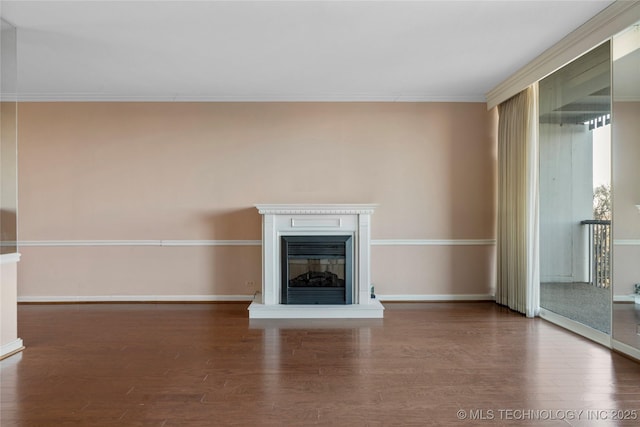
x=626, y=173
x=193, y=171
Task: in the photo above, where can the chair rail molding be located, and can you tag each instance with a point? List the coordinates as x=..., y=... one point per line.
x=243, y=242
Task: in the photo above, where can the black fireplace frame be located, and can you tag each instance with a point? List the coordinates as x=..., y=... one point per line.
x=316, y=295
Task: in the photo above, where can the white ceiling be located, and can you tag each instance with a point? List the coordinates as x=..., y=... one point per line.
x=281, y=51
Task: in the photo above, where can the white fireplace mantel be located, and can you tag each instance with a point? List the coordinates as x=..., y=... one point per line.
x=318, y=220
x=339, y=209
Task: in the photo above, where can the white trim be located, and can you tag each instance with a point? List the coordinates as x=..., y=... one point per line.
x=624, y=298
x=133, y=298
x=316, y=209
x=561, y=279
x=10, y=258
x=44, y=243
x=628, y=98
x=210, y=243
x=377, y=242
x=626, y=349
x=576, y=327
x=626, y=242
x=11, y=348
x=433, y=242
x=102, y=97
x=433, y=298
x=615, y=18
x=239, y=298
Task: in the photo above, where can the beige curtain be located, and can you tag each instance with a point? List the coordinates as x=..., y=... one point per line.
x=517, y=239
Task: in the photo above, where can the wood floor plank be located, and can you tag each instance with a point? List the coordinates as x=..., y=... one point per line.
x=209, y=365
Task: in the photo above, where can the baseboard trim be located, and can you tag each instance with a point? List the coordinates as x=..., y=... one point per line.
x=626, y=242
x=436, y=298
x=576, y=327
x=624, y=298
x=50, y=299
x=11, y=348
x=133, y=298
x=626, y=349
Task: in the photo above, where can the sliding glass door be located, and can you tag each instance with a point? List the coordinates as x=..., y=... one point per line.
x=575, y=208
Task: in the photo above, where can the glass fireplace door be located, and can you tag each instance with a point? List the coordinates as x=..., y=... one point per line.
x=316, y=270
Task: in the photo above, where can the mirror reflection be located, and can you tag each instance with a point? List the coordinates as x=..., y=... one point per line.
x=8, y=141
x=626, y=191
x=575, y=209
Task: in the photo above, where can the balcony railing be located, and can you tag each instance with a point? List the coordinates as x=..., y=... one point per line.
x=599, y=232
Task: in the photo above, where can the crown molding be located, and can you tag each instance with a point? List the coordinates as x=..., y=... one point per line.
x=615, y=18
x=102, y=97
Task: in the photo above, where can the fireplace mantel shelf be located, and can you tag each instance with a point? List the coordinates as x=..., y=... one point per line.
x=279, y=220
x=333, y=209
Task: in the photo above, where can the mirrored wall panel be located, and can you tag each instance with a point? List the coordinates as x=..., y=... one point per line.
x=575, y=190
x=8, y=141
x=626, y=186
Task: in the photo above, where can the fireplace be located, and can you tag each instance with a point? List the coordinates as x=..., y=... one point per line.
x=316, y=263
x=317, y=269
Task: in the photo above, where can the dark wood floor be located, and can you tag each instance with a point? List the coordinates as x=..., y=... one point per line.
x=208, y=365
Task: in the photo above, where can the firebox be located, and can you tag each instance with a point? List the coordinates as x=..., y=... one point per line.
x=317, y=269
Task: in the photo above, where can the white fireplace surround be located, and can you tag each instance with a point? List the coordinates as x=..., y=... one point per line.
x=315, y=220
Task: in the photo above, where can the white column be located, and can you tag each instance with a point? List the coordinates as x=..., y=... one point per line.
x=9, y=341
x=364, y=249
x=269, y=260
